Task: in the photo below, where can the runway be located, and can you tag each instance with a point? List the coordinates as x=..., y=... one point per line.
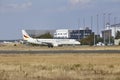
x=58, y=51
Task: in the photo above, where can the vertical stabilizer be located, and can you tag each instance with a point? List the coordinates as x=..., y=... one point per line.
x=25, y=35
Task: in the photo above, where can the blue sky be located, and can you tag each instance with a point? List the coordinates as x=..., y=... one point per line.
x=16, y=15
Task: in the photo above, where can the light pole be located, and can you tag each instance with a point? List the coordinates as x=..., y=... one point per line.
x=97, y=26
x=115, y=26
x=109, y=27
x=104, y=24
x=79, y=29
x=84, y=27
x=92, y=28
x=91, y=22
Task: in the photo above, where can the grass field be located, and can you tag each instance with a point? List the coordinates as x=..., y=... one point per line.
x=59, y=66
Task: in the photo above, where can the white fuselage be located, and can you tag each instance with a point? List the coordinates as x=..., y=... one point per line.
x=54, y=42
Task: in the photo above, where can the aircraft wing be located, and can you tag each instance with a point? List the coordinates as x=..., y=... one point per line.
x=48, y=44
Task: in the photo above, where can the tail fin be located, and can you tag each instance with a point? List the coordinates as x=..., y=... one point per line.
x=25, y=35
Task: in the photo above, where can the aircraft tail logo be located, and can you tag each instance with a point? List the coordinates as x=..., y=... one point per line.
x=25, y=35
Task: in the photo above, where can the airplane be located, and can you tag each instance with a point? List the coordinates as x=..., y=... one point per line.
x=49, y=42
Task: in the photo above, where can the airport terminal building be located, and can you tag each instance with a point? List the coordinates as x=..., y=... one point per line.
x=110, y=30
x=80, y=34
